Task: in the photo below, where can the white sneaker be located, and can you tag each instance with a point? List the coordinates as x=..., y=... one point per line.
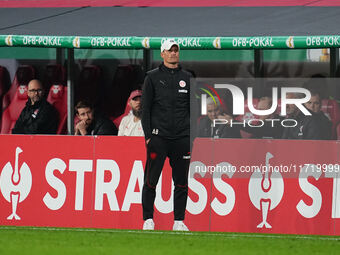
x=179, y=226
x=149, y=225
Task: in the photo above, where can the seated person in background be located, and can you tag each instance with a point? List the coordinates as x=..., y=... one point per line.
x=314, y=105
x=38, y=116
x=308, y=126
x=206, y=125
x=270, y=129
x=131, y=124
x=92, y=123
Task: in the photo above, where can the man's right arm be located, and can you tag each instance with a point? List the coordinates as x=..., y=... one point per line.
x=80, y=128
x=147, y=101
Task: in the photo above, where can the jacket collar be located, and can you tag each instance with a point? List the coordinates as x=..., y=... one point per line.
x=36, y=105
x=169, y=70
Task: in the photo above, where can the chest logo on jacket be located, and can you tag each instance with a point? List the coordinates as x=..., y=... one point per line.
x=15, y=184
x=182, y=84
x=35, y=113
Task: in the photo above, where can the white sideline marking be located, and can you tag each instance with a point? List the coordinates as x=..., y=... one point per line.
x=226, y=235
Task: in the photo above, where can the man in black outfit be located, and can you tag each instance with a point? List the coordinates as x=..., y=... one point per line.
x=314, y=105
x=206, y=126
x=38, y=116
x=91, y=123
x=166, y=125
x=268, y=130
x=308, y=127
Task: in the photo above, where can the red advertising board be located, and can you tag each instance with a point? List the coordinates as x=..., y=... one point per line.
x=235, y=185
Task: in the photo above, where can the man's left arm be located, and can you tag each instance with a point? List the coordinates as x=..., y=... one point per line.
x=313, y=130
x=46, y=122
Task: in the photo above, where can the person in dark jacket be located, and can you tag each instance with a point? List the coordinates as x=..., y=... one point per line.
x=206, y=126
x=91, y=123
x=166, y=125
x=269, y=129
x=309, y=127
x=38, y=116
x=314, y=105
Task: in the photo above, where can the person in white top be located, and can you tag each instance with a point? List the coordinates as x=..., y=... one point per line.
x=131, y=124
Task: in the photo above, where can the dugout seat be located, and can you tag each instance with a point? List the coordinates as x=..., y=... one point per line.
x=126, y=79
x=53, y=74
x=12, y=112
x=23, y=76
x=89, y=85
x=4, y=85
x=57, y=97
x=4, y=81
x=117, y=120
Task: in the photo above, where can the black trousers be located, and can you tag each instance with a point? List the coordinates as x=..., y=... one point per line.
x=178, y=151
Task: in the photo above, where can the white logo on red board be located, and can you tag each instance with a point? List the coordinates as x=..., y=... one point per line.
x=15, y=184
x=56, y=89
x=22, y=89
x=182, y=84
x=266, y=190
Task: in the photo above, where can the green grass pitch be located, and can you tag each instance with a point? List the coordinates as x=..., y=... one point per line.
x=62, y=241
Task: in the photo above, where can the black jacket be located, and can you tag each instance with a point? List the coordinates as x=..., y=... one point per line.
x=40, y=118
x=166, y=103
x=101, y=126
x=326, y=124
x=205, y=129
x=269, y=130
x=311, y=127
